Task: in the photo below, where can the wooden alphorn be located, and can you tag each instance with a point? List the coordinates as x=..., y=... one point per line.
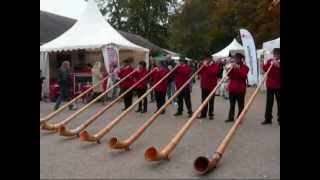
x=203, y=164
x=64, y=131
x=85, y=136
x=152, y=154
x=54, y=113
x=54, y=127
x=115, y=143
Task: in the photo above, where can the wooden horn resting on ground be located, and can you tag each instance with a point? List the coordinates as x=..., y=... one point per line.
x=203, y=164
x=115, y=143
x=72, y=132
x=152, y=154
x=85, y=136
x=55, y=127
x=52, y=114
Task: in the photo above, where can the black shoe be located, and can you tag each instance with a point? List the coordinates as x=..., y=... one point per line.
x=210, y=117
x=139, y=110
x=229, y=120
x=190, y=115
x=178, y=114
x=201, y=117
x=266, y=122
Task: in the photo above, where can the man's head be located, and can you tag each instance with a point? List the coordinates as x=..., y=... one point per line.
x=276, y=53
x=65, y=65
x=182, y=60
x=238, y=58
x=142, y=64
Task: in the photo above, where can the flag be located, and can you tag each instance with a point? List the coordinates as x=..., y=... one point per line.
x=251, y=56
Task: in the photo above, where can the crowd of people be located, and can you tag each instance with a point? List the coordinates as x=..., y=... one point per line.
x=233, y=86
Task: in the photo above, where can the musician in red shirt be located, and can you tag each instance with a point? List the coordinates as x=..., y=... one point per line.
x=141, y=88
x=160, y=90
x=127, y=83
x=273, y=85
x=181, y=75
x=208, y=81
x=237, y=85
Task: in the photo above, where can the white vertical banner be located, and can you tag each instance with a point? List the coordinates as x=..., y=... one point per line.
x=111, y=61
x=251, y=56
x=44, y=66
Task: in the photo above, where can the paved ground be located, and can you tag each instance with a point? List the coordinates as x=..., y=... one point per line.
x=253, y=153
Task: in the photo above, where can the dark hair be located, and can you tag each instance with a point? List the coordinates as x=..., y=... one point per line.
x=143, y=64
x=239, y=56
x=276, y=51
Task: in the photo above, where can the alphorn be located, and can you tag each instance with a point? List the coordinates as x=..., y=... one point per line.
x=64, y=131
x=152, y=154
x=115, y=143
x=55, y=127
x=85, y=136
x=203, y=164
x=52, y=114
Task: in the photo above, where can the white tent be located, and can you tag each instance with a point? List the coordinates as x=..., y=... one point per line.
x=270, y=45
x=91, y=32
x=233, y=47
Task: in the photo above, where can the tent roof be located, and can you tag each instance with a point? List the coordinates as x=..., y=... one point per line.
x=92, y=31
x=270, y=45
x=233, y=46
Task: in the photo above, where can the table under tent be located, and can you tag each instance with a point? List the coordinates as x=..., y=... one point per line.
x=89, y=40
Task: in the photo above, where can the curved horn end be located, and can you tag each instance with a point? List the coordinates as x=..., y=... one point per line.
x=64, y=131
x=115, y=143
x=48, y=127
x=85, y=136
x=152, y=154
x=203, y=165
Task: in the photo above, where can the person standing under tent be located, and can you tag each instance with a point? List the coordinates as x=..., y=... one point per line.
x=141, y=88
x=151, y=66
x=171, y=86
x=208, y=81
x=41, y=82
x=64, y=84
x=96, y=77
x=127, y=83
x=225, y=83
x=182, y=74
x=160, y=90
x=237, y=85
x=273, y=85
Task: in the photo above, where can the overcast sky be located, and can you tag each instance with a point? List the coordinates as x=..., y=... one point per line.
x=68, y=8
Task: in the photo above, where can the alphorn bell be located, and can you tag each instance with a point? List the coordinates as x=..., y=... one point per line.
x=152, y=154
x=72, y=132
x=85, y=136
x=52, y=114
x=115, y=143
x=203, y=164
x=55, y=127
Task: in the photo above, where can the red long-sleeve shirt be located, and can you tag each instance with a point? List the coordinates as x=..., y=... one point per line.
x=209, y=76
x=182, y=74
x=139, y=75
x=127, y=83
x=273, y=78
x=156, y=77
x=238, y=79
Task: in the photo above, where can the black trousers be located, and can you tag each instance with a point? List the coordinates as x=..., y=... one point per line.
x=233, y=98
x=271, y=93
x=160, y=98
x=204, y=95
x=144, y=102
x=127, y=98
x=184, y=95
